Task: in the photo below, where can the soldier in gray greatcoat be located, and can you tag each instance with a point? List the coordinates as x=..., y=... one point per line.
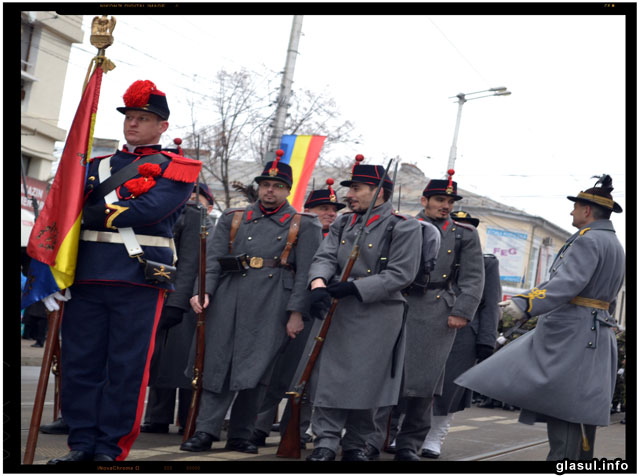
x=256, y=283
x=447, y=303
x=360, y=365
x=323, y=203
x=564, y=370
x=474, y=342
x=177, y=324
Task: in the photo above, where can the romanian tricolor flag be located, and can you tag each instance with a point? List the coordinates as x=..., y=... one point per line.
x=53, y=243
x=301, y=153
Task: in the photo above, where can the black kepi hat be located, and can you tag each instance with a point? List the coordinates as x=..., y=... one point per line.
x=601, y=195
x=276, y=170
x=442, y=187
x=323, y=197
x=369, y=174
x=203, y=190
x=465, y=217
x=144, y=96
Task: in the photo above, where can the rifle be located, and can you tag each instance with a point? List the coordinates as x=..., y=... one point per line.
x=198, y=366
x=36, y=417
x=289, y=446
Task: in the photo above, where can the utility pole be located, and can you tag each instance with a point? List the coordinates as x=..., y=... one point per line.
x=285, y=89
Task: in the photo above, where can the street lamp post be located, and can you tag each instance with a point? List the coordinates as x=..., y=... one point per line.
x=462, y=98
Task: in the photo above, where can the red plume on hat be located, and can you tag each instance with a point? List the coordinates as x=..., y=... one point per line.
x=273, y=171
x=450, y=186
x=359, y=158
x=138, y=93
x=332, y=194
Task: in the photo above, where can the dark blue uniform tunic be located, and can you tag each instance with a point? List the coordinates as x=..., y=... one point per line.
x=109, y=324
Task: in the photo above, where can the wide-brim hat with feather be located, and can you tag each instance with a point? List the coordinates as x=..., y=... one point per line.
x=599, y=195
x=442, y=187
x=276, y=170
x=324, y=197
x=465, y=217
x=143, y=95
x=369, y=174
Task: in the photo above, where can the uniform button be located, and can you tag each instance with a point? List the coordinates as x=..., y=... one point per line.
x=370, y=245
x=593, y=328
x=343, y=242
x=92, y=178
x=449, y=251
x=279, y=238
x=275, y=257
x=368, y=271
x=553, y=269
x=438, y=296
x=444, y=275
x=244, y=274
x=255, y=221
x=453, y=229
x=590, y=344
x=271, y=275
x=107, y=211
x=249, y=238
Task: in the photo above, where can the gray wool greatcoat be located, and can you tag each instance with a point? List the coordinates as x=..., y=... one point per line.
x=248, y=311
x=429, y=338
x=353, y=370
x=171, y=351
x=566, y=366
x=483, y=329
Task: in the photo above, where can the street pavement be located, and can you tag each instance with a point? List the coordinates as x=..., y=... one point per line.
x=476, y=434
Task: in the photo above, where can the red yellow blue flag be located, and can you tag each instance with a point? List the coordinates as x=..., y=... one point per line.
x=301, y=153
x=53, y=243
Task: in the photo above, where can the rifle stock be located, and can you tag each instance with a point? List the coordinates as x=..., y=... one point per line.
x=43, y=381
x=289, y=446
x=198, y=366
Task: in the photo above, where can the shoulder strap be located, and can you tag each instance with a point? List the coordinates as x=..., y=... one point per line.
x=124, y=174
x=294, y=227
x=235, y=224
x=384, y=257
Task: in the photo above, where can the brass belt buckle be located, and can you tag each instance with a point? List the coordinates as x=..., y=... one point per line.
x=256, y=262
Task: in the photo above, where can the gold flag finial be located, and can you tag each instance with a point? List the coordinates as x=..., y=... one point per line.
x=102, y=31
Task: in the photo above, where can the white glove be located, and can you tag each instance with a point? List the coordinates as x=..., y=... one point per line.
x=50, y=301
x=509, y=308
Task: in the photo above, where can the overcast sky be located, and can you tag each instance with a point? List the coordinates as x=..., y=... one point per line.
x=392, y=76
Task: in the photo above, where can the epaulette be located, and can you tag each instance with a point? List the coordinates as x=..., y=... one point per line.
x=181, y=169
x=465, y=225
x=584, y=231
x=232, y=210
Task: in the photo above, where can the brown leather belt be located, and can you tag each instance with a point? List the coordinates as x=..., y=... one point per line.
x=256, y=262
x=588, y=302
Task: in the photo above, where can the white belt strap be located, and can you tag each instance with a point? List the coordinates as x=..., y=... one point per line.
x=110, y=237
x=129, y=239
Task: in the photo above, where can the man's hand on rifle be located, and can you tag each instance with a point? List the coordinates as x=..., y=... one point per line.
x=50, y=301
x=195, y=303
x=295, y=324
x=344, y=289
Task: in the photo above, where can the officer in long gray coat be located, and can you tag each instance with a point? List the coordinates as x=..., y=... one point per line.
x=256, y=302
x=435, y=312
x=564, y=370
x=360, y=365
x=474, y=342
x=177, y=323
